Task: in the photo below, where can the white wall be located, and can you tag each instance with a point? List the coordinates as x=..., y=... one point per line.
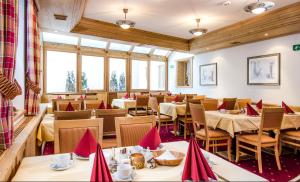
x=18, y=102
x=232, y=72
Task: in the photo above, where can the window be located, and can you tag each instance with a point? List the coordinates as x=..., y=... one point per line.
x=142, y=50
x=92, y=76
x=61, y=71
x=119, y=47
x=58, y=38
x=157, y=75
x=117, y=75
x=93, y=43
x=161, y=52
x=139, y=70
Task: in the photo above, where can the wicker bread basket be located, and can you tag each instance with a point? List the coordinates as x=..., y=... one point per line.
x=175, y=162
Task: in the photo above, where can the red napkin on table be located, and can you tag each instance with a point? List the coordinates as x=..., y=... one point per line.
x=176, y=98
x=100, y=171
x=101, y=106
x=196, y=167
x=108, y=106
x=86, y=145
x=287, y=109
x=151, y=139
x=70, y=107
x=259, y=104
x=126, y=96
x=251, y=111
x=222, y=106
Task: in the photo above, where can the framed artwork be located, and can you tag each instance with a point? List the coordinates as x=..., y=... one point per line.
x=263, y=70
x=208, y=74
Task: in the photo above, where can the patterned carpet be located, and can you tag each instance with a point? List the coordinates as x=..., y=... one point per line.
x=290, y=163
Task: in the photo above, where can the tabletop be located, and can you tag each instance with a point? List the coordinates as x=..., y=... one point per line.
x=37, y=169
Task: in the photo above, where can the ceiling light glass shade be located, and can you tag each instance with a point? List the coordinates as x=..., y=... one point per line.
x=198, y=31
x=259, y=7
x=125, y=24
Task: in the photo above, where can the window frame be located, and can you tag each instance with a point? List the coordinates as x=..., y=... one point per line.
x=106, y=54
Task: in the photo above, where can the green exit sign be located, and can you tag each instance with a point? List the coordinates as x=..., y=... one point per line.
x=296, y=47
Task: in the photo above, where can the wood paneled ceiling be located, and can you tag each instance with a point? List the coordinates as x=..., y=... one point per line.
x=278, y=22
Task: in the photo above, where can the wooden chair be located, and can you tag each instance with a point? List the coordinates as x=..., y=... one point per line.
x=67, y=133
x=181, y=97
x=69, y=115
x=91, y=97
x=169, y=98
x=108, y=116
x=200, y=97
x=62, y=105
x=230, y=103
x=270, y=121
x=159, y=98
x=295, y=108
x=141, y=107
x=186, y=120
x=112, y=96
x=189, y=96
x=290, y=138
x=210, y=104
x=203, y=132
x=92, y=104
x=242, y=103
x=130, y=130
x=54, y=103
x=161, y=119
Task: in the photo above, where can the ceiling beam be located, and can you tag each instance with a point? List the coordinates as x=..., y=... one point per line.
x=276, y=23
x=111, y=31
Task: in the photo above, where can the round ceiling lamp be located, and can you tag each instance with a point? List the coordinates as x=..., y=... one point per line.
x=198, y=31
x=259, y=7
x=125, y=24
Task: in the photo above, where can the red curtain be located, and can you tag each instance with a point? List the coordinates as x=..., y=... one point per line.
x=32, y=60
x=8, y=44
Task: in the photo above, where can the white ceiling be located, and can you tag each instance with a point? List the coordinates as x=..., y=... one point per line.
x=173, y=17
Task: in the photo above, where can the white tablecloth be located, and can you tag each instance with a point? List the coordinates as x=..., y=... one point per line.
x=172, y=109
x=124, y=103
x=37, y=169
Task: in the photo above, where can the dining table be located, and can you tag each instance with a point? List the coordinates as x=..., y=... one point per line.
x=124, y=103
x=38, y=168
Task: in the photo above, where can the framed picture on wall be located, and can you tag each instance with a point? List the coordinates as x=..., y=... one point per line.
x=208, y=74
x=263, y=70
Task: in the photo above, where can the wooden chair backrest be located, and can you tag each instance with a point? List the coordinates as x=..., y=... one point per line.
x=230, y=103
x=210, y=104
x=92, y=104
x=295, y=108
x=242, y=103
x=112, y=96
x=187, y=109
x=67, y=133
x=54, y=103
x=198, y=117
x=189, y=96
x=153, y=103
x=169, y=98
x=181, y=97
x=201, y=97
x=108, y=116
x=71, y=115
x=130, y=130
x=159, y=98
x=90, y=97
x=62, y=105
x=103, y=96
x=271, y=118
x=142, y=101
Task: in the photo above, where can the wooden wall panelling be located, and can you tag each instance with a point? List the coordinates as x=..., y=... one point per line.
x=276, y=23
x=98, y=28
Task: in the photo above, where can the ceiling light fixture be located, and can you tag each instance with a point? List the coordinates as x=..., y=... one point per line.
x=259, y=7
x=198, y=31
x=125, y=24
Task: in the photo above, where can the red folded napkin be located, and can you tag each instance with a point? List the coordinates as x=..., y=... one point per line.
x=176, y=98
x=222, y=106
x=251, y=111
x=134, y=97
x=70, y=107
x=59, y=97
x=101, y=106
x=126, y=96
x=196, y=167
x=86, y=145
x=81, y=97
x=151, y=139
x=100, y=171
x=259, y=104
x=108, y=106
x=287, y=109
